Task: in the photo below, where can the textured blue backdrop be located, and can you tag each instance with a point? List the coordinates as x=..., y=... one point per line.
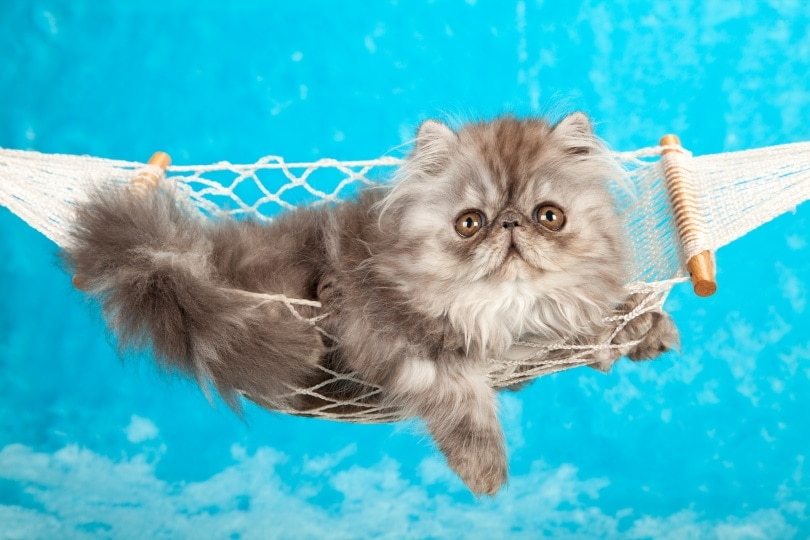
x=708, y=443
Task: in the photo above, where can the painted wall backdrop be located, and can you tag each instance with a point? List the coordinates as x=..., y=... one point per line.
x=708, y=443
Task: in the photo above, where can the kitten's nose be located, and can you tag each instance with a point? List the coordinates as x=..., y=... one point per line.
x=510, y=219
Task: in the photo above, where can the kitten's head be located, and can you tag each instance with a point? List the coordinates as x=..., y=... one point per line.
x=511, y=216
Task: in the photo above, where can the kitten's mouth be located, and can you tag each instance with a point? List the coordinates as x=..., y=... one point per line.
x=513, y=255
x=512, y=261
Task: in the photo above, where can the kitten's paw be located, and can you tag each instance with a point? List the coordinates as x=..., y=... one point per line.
x=656, y=333
x=481, y=465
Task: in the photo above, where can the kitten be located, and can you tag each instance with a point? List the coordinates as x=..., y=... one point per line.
x=499, y=230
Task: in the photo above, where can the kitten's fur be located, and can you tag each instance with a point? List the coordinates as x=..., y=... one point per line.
x=415, y=307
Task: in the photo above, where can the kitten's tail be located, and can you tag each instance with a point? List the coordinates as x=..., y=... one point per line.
x=149, y=262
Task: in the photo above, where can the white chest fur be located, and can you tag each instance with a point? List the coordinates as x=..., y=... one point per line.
x=495, y=313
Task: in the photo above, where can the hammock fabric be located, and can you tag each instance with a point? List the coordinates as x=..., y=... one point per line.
x=680, y=210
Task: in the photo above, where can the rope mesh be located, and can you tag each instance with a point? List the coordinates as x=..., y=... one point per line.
x=736, y=192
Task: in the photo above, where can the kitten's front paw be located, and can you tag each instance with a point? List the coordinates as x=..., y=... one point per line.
x=481, y=464
x=655, y=331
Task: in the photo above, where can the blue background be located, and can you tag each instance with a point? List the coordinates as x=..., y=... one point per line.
x=708, y=443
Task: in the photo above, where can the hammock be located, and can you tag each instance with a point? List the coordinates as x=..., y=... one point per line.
x=681, y=209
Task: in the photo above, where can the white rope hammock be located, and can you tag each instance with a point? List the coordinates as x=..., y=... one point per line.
x=684, y=208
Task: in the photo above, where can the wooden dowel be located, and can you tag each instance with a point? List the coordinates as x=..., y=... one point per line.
x=689, y=222
x=148, y=178
x=701, y=266
x=145, y=181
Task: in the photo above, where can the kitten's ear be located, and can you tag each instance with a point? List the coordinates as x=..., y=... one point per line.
x=434, y=135
x=434, y=141
x=575, y=132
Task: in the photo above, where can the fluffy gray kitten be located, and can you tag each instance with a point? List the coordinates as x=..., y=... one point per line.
x=498, y=230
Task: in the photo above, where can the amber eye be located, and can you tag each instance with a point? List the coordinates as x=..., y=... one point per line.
x=549, y=216
x=470, y=222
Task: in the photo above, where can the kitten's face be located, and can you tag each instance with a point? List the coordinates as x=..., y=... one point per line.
x=510, y=201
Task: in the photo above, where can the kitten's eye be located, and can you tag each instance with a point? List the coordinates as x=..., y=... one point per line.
x=549, y=216
x=470, y=222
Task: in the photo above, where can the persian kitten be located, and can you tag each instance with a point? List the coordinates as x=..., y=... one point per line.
x=491, y=232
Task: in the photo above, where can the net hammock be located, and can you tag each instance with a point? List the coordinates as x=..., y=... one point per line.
x=680, y=210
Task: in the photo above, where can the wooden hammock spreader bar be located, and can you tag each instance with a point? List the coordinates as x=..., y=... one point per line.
x=145, y=180
x=148, y=178
x=688, y=218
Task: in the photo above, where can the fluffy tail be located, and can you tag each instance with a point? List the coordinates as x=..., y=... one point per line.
x=149, y=262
